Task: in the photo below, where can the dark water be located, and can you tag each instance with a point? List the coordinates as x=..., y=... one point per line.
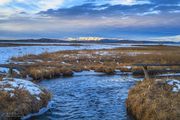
x=88, y=97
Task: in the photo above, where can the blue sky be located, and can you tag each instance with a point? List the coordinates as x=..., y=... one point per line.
x=129, y=19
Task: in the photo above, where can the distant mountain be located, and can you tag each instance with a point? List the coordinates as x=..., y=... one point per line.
x=46, y=40
x=42, y=40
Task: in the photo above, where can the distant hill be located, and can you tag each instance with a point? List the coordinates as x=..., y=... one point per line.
x=46, y=40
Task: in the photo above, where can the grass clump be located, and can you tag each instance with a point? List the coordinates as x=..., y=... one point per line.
x=153, y=100
x=17, y=99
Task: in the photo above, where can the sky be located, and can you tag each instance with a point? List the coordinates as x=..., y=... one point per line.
x=127, y=19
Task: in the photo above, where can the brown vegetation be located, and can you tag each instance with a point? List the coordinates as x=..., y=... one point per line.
x=153, y=100
x=20, y=104
x=63, y=63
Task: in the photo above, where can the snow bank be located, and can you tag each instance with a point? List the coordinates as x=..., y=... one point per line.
x=22, y=98
x=175, y=84
x=10, y=86
x=6, y=70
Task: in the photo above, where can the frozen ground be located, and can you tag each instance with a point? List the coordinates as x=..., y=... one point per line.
x=11, y=86
x=8, y=52
x=175, y=84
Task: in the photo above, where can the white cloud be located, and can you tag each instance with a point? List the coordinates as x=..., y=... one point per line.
x=3, y=2
x=45, y=24
x=123, y=2
x=34, y=6
x=29, y=6
x=49, y=4
x=175, y=38
x=149, y=13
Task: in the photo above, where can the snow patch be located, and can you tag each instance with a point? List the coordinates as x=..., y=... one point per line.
x=175, y=84
x=138, y=53
x=10, y=86
x=128, y=67
x=103, y=53
x=170, y=74
x=6, y=70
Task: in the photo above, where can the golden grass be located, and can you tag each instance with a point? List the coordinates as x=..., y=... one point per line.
x=153, y=100
x=49, y=65
x=21, y=104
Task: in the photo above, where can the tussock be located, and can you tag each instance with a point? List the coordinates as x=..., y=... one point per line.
x=17, y=101
x=153, y=100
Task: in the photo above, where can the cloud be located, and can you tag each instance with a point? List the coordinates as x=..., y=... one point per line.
x=165, y=1
x=175, y=38
x=97, y=10
x=3, y=2
x=51, y=23
x=108, y=10
x=30, y=6
x=97, y=17
x=119, y=2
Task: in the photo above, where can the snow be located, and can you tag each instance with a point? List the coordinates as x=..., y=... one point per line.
x=170, y=74
x=12, y=94
x=138, y=53
x=103, y=53
x=28, y=86
x=128, y=67
x=9, y=89
x=9, y=52
x=63, y=62
x=175, y=84
x=6, y=70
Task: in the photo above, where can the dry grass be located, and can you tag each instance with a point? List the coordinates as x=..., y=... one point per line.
x=49, y=65
x=153, y=100
x=21, y=104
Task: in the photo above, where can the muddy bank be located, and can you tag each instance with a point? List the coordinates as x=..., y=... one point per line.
x=155, y=99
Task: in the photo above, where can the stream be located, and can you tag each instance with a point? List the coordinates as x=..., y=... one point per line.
x=88, y=96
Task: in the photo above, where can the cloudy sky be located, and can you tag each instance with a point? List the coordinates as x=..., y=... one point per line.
x=130, y=19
